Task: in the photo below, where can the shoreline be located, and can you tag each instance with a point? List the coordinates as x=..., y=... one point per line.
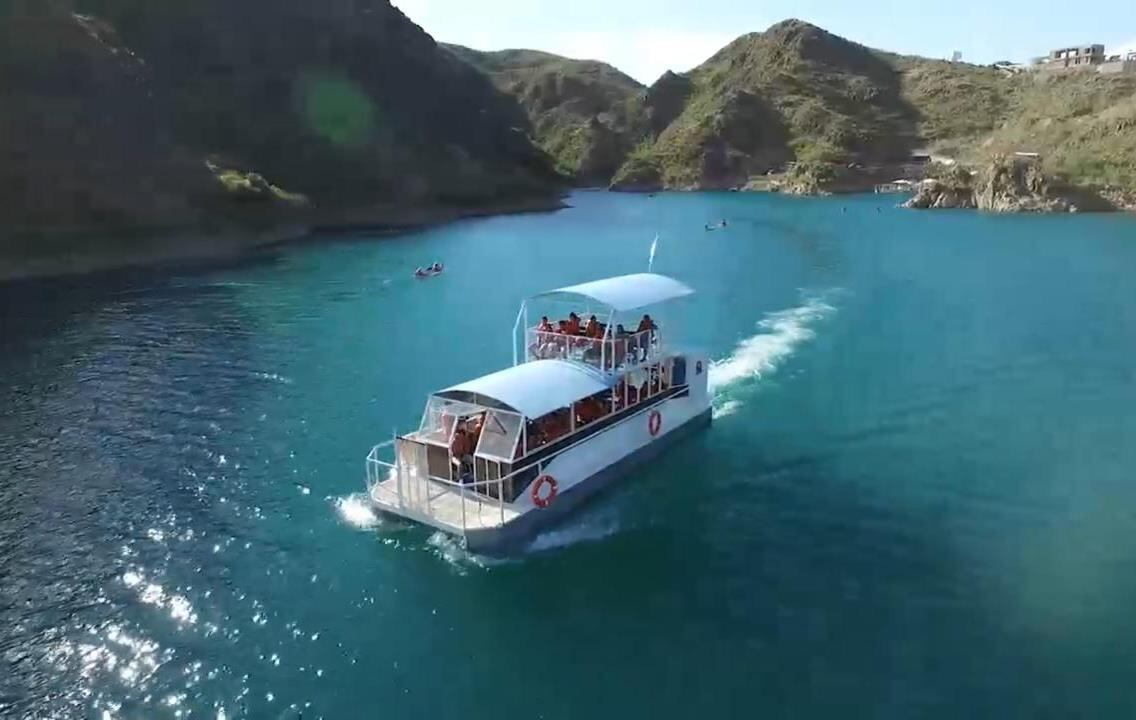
x=188, y=245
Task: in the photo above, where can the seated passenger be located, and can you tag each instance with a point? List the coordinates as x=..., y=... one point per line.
x=592, y=329
x=573, y=326
x=545, y=326
x=601, y=407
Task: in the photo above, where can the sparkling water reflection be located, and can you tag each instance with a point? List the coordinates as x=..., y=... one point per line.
x=916, y=499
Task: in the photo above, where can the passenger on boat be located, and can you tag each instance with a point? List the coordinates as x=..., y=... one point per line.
x=592, y=329
x=460, y=446
x=648, y=328
x=475, y=425
x=589, y=410
x=573, y=325
x=545, y=345
x=553, y=426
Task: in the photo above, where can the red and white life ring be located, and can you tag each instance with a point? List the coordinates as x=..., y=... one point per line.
x=539, y=499
x=654, y=423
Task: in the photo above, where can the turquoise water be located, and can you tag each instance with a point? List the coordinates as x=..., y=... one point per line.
x=916, y=500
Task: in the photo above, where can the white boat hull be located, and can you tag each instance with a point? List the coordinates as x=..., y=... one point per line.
x=516, y=533
x=592, y=464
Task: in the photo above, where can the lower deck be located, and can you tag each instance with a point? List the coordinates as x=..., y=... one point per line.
x=441, y=505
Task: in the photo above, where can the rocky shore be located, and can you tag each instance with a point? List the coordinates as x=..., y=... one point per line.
x=1011, y=185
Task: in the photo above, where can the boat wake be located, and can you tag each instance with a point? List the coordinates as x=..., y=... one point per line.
x=592, y=527
x=760, y=355
x=356, y=510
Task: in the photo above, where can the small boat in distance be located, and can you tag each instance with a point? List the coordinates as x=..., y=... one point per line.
x=429, y=271
x=498, y=458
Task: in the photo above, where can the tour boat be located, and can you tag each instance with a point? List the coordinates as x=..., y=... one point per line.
x=497, y=459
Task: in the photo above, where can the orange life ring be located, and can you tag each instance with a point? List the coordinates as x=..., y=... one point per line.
x=654, y=423
x=553, y=488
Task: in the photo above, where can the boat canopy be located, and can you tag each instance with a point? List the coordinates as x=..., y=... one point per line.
x=626, y=292
x=532, y=389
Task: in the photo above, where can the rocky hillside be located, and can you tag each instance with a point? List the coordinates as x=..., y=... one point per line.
x=817, y=111
x=585, y=114
x=800, y=109
x=793, y=92
x=1083, y=126
x=190, y=113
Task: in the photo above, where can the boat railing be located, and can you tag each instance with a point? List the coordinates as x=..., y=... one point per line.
x=608, y=353
x=422, y=493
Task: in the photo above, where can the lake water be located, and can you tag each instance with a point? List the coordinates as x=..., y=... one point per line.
x=918, y=498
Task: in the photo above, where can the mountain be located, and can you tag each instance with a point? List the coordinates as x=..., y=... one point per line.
x=585, y=114
x=792, y=92
x=127, y=114
x=802, y=109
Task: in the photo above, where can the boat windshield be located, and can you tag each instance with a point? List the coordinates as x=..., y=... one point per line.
x=439, y=419
x=499, y=435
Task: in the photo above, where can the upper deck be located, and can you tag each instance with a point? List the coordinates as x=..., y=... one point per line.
x=603, y=326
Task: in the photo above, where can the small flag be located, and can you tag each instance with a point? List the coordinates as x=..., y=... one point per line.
x=654, y=247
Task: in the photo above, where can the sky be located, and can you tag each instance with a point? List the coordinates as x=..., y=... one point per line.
x=643, y=38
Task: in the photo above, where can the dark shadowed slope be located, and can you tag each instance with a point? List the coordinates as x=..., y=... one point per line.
x=129, y=113
x=586, y=114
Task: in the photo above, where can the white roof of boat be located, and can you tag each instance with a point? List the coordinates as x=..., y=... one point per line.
x=627, y=292
x=532, y=389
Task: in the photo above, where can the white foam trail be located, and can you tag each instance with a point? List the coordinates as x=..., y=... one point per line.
x=726, y=408
x=761, y=354
x=356, y=510
x=563, y=537
x=454, y=551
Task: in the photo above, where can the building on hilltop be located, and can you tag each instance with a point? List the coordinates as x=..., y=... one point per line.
x=1118, y=64
x=1070, y=58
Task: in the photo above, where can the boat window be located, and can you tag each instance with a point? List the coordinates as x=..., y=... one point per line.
x=440, y=418
x=499, y=435
x=593, y=408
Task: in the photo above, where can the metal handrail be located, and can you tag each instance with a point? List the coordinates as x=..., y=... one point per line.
x=372, y=458
x=564, y=346
x=463, y=489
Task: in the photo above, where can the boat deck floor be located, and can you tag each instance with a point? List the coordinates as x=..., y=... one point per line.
x=444, y=510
